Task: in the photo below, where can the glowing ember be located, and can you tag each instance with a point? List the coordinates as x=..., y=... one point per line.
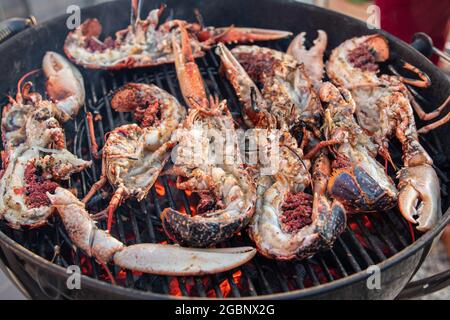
x=225, y=288
x=174, y=288
x=367, y=223
x=160, y=189
x=321, y=276
x=122, y=275
x=354, y=227
x=130, y=237
x=85, y=265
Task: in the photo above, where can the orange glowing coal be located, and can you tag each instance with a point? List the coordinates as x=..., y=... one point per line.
x=121, y=275
x=367, y=223
x=225, y=287
x=160, y=189
x=86, y=265
x=174, y=288
x=190, y=286
x=183, y=210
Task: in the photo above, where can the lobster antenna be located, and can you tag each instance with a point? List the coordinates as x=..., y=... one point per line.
x=21, y=80
x=199, y=17
x=297, y=155
x=136, y=6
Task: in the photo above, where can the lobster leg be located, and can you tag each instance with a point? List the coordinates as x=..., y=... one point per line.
x=255, y=110
x=188, y=73
x=94, y=145
x=234, y=34
x=19, y=96
x=435, y=125
x=98, y=185
x=423, y=82
x=424, y=115
x=319, y=146
x=115, y=202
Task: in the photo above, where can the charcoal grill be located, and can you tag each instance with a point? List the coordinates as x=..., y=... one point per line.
x=37, y=259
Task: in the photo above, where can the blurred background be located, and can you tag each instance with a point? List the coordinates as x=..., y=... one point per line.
x=402, y=18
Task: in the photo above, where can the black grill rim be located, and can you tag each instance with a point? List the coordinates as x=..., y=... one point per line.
x=88, y=282
x=362, y=275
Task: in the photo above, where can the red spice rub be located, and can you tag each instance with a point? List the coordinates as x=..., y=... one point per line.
x=362, y=58
x=208, y=202
x=36, y=187
x=297, y=211
x=149, y=114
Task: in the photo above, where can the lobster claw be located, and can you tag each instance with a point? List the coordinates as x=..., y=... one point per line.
x=178, y=261
x=255, y=109
x=234, y=34
x=64, y=84
x=419, y=199
x=362, y=187
x=145, y=257
x=312, y=58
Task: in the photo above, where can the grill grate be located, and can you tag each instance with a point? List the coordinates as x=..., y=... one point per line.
x=369, y=239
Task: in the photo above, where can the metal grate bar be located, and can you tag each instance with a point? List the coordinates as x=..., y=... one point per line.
x=267, y=288
x=299, y=275
x=311, y=273
x=371, y=240
x=351, y=259
x=119, y=227
x=325, y=269
x=381, y=234
x=360, y=249
x=397, y=224
x=338, y=262
x=281, y=276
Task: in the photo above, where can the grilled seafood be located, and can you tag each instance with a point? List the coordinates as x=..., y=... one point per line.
x=286, y=87
x=358, y=180
x=145, y=257
x=227, y=189
x=227, y=192
x=145, y=44
x=134, y=155
x=154, y=109
x=256, y=112
x=30, y=185
x=34, y=158
x=312, y=58
x=288, y=222
x=384, y=107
